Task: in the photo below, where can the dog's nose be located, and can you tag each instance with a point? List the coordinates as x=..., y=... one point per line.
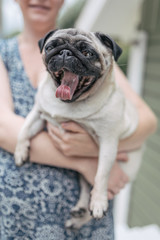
x=65, y=53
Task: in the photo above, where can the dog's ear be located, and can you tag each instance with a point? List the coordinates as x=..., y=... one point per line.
x=110, y=43
x=42, y=41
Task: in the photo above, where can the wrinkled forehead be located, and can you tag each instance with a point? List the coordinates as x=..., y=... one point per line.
x=73, y=35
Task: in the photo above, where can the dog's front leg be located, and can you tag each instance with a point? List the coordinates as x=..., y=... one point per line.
x=99, y=200
x=32, y=125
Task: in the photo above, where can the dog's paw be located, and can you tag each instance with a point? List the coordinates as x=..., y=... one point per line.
x=76, y=223
x=21, y=152
x=78, y=212
x=73, y=224
x=98, y=205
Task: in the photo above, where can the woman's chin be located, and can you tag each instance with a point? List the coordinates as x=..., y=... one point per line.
x=39, y=19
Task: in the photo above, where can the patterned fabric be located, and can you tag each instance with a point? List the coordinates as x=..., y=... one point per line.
x=35, y=200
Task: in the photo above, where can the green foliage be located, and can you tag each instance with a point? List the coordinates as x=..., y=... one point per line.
x=123, y=60
x=70, y=15
x=13, y=34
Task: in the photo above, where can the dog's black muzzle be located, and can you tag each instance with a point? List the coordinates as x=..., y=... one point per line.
x=69, y=58
x=66, y=63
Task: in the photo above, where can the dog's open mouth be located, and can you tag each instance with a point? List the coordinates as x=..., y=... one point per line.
x=71, y=84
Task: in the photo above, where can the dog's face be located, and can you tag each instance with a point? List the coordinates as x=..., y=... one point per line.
x=77, y=61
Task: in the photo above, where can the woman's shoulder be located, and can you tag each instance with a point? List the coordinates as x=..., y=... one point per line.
x=7, y=48
x=7, y=44
x=3, y=44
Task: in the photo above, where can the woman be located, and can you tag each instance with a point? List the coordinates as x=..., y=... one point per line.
x=37, y=197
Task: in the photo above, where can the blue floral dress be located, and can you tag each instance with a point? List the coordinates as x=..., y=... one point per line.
x=35, y=200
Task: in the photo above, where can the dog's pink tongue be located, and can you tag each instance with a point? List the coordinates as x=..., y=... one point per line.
x=68, y=86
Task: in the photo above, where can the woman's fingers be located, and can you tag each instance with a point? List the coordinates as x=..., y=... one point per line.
x=73, y=140
x=69, y=127
x=54, y=131
x=73, y=127
x=122, y=156
x=56, y=140
x=117, y=180
x=110, y=195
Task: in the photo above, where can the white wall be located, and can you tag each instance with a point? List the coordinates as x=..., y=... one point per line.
x=118, y=18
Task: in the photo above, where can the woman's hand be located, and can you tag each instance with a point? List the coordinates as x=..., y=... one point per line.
x=73, y=141
x=117, y=180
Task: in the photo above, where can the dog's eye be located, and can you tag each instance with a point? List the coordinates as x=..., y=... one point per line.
x=49, y=48
x=87, y=53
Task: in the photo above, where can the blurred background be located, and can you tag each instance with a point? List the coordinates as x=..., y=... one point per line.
x=135, y=25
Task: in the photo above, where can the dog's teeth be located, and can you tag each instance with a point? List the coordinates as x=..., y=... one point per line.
x=87, y=83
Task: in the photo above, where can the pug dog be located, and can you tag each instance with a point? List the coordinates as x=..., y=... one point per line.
x=81, y=87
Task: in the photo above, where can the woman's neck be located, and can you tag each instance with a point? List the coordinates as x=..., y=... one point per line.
x=30, y=54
